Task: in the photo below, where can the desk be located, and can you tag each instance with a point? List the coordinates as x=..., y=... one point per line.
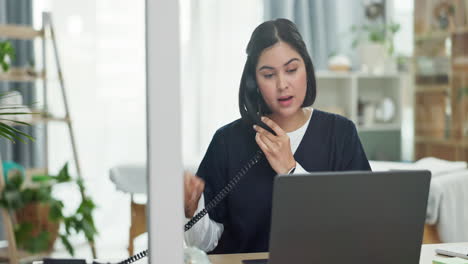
x=427, y=255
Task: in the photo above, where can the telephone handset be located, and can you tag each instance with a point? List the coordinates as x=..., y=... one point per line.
x=254, y=108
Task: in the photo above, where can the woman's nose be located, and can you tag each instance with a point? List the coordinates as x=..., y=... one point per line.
x=281, y=83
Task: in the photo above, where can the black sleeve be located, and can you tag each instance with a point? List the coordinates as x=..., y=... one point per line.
x=353, y=155
x=213, y=171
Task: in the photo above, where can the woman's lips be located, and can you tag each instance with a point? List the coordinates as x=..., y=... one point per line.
x=285, y=101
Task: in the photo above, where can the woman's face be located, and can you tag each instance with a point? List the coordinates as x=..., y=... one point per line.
x=282, y=79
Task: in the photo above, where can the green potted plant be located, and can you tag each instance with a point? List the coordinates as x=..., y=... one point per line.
x=38, y=214
x=375, y=45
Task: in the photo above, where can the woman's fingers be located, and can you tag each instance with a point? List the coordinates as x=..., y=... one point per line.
x=187, y=181
x=265, y=133
x=261, y=143
x=193, y=188
x=272, y=144
x=278, y=130
x=199, y=186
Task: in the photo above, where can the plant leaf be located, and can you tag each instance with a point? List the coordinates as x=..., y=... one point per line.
x=55, y=212
x=63, y=175
x=14, y=131
x=38, y=243
x=14, y=113
x=5, y=66
x=86, y=207
x=67, y=244
x=89, y=230
x=41, y=178
x=22, y=232
x=5, y=135
x=11, y=135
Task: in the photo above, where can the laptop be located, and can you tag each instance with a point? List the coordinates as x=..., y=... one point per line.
x=348, y=217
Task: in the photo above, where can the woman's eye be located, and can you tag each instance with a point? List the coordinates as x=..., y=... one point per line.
x=268, y=76
x=292, y=70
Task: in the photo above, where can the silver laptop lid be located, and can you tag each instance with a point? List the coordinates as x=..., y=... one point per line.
x=349, y=217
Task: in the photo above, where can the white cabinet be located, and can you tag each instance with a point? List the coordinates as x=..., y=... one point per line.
x=372, y=102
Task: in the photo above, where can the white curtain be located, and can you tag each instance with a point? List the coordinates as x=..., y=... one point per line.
x=102, y=48
x=324, y=24
x=215, y=34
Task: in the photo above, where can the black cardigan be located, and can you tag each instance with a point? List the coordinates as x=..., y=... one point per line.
x=330, y=143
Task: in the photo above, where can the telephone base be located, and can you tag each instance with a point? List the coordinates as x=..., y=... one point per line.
x=64, y=261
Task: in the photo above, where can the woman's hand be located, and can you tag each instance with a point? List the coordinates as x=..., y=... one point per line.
x=277, y=149
x=193, y=189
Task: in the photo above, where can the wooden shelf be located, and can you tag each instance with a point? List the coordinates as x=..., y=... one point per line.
x=33, y=171
x=460, y=63
x=439, y=141
x=461, y=30
x=434, y=35
x=19, y=32
x=21, y=75
x=432, y=88
x=37, y=119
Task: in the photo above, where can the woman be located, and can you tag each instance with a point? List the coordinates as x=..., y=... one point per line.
x=278, y=83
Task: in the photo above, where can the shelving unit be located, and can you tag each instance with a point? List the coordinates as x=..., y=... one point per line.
x=40, y=116
x=441, y=80
x=342, y=93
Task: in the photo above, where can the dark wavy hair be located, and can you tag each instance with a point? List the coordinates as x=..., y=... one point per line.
x=267, y=34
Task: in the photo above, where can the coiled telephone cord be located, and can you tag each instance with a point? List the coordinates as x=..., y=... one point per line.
x=212, y=204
